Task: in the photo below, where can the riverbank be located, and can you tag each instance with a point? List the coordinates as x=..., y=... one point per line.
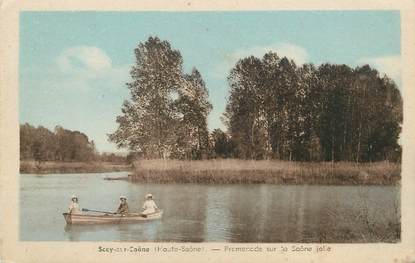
x=32, y=167
x=229, y=171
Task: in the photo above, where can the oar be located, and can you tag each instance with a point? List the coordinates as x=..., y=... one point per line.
x=90, y=210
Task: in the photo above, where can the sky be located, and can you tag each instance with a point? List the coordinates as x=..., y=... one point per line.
x=73, y=66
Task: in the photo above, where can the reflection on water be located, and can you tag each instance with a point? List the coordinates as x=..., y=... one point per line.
x=207, y=213
x=127, y=231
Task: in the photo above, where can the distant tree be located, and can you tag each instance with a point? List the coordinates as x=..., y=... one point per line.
x=27, y=133
x=113, y=158
x=40, y=144
x=82, y=149
x=223, y=146
x=133, y=156
x=43, y=145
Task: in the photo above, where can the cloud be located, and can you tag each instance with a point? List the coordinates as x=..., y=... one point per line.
x=88, y=60
x=86, y=66
x=389, y=65
x=291, y=51
x=80, y=84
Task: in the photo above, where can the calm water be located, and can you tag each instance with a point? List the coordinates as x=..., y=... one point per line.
x=207, y=213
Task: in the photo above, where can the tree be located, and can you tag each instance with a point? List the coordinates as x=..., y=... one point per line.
x=243, y=110
x=26, y=141
x=223, y=146
x=193, y=108
x=332, y=113
x=380, y=115
x=41, y=144
x=334, y=96
x=166, y=116
x=148, y=119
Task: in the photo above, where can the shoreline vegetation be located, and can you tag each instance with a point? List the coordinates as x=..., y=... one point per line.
x=232, y=171
x=49, y=167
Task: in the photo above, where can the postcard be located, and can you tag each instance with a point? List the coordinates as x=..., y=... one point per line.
x=191, y=131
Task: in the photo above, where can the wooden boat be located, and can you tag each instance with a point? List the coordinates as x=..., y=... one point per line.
x=110, y=218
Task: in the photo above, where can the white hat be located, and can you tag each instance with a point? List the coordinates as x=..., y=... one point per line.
x=123, y=197
x=74, y=196
x=149, y=196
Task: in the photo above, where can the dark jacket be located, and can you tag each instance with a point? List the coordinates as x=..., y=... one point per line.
x=123, y=208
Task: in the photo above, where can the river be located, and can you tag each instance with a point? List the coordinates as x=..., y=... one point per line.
x=211, y=213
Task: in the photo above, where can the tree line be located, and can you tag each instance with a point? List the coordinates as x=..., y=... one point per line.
x=279, y=110
x=41, y=144
x=275, y=110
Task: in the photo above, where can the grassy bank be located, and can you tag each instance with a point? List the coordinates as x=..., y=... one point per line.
x=32, y=167
x=270, y=172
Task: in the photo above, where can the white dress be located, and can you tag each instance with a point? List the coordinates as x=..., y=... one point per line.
x=74, y=208
x=149, y=207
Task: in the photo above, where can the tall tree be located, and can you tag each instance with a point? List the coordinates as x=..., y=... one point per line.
x=332, y=113
x=148, y=119
x=166, y=116
x=335, y=82
x=193, y=107
x=244, y=110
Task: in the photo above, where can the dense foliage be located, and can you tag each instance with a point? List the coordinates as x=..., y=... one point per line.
x=275, y=110
x=166, y=116
x=279, y=110
x=41, y=144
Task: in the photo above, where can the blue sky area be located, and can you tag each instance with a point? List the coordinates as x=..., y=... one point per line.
x=74, y=65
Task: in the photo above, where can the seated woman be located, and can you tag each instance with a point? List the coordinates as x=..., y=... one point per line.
x=149, y=206
x=74, y=206
x=123, y=207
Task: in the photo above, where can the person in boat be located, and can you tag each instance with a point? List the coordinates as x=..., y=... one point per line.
x=123, y=207
x=74, y=206
x=149, y=206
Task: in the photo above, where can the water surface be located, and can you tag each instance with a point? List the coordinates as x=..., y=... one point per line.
x=211, y=213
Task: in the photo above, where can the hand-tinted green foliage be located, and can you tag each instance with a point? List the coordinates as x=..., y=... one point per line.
x=41, y=144
x=330, y=113
x=166, y=116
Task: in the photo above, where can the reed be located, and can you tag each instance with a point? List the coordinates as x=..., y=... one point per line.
x=231, y=171
x=33, y=167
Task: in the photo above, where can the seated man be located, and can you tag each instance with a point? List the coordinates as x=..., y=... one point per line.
x=149, y=206
x=74, y=206
x=123, y=207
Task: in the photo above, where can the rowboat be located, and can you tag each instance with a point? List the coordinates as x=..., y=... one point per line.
x=110, y=218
